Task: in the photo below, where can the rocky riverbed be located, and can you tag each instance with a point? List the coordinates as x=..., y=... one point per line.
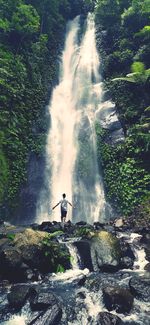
x=75, y=273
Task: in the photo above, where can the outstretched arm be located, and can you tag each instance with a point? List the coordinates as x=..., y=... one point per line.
x=71, y=204
x=55, y=205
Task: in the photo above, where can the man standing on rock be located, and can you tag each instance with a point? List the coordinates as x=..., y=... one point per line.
x=63, y=207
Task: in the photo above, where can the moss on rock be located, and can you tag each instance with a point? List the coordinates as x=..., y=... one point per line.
x=105, y=251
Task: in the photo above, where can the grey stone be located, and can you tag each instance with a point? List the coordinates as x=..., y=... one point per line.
x=43, y=300
x=18, y=295
x=140, y=287
x=105, y=252
x=117, y=298
x=106, y=318
x=52, y=316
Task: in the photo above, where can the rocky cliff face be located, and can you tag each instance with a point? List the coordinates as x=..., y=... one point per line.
x=29, y=192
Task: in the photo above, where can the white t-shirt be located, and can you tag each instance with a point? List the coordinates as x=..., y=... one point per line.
x=64, y=204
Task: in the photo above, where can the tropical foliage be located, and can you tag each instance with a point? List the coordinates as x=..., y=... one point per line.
x=31, y=36
x=123, y=43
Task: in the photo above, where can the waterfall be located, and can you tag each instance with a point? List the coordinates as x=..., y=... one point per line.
x=71, y=160
x=75, y=258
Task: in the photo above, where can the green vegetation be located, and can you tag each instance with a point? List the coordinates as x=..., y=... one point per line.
x=139, y=74
x=82, y=232
x=11, y=236
x=84, y=162
x=123, y=43
x=31, y=37
x=60, y=269
x=57, y=255
x=55, y=234
x=125, y=178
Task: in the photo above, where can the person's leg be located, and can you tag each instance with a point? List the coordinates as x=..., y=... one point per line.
x=64, y=216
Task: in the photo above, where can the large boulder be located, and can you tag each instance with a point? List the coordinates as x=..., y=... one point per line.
x=18, y=295
x=31, y=251
x=117, y=298
x=39, y=252
x=140, y=287
x=126, y=250
x=10, y=258
x=19, y=248
x=10, y=264
x=29, y=237
x=83, y=247
x=32, y=255
x=52, y=316
x=29, y=242
x=42, y=300
x=106, y=318
x=127, y=255
x=105, y=252
x=48, y=304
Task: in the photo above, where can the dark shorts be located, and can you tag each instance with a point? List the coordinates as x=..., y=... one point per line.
x=63, y=213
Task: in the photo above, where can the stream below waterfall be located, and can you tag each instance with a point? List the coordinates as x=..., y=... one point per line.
x=80, y=302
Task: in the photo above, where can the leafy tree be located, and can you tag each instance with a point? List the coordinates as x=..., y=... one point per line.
x=8, y=7
x=136, y=16
x=144, y=34
x=124, y=4
x=124, y=49
x=139, y=74
x=3, y=169
x=107, y=12
x=31, y=36
x=126, y=182
x=4, y=25
x=25, y=20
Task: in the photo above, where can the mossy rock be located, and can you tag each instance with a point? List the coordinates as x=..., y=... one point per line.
x=29, y=237
x=105, y=251
x=34, y=248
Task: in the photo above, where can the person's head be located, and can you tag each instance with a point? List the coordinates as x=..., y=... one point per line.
x=64, y=195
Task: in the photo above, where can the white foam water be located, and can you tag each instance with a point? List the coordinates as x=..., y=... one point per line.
x=140, y=255
x=74, y=256
x=16, y=320
x=71, y=154
x=69, y=275
x=140, y=261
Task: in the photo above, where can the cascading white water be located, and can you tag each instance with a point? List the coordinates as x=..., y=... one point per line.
x=71, y=146
x=75, y=258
